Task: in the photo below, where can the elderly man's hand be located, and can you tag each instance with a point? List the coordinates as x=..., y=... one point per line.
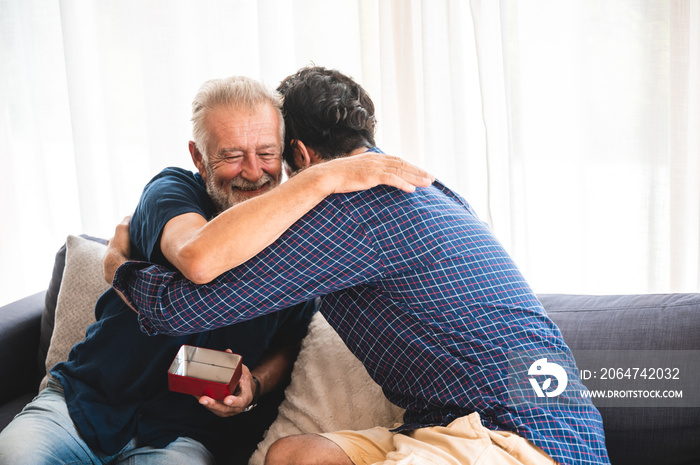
x=235, y=403
x=369, y=169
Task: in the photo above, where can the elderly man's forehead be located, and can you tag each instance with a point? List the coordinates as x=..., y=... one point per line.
x=249, y=116
x=243, y=109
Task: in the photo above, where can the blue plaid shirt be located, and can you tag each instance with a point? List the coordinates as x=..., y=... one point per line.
x=420, y=291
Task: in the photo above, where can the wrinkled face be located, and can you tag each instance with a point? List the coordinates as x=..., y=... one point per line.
x=244, y=154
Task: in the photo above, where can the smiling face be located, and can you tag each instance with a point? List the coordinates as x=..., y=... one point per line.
x=244, y=153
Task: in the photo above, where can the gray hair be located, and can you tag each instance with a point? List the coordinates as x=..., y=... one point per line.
x=235, y=92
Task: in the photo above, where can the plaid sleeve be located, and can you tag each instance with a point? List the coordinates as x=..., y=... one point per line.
x=325, y=251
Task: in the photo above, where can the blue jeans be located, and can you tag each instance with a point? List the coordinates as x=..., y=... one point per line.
x=43, y=433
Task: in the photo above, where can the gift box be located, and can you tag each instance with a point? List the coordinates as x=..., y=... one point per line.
x=204, y=372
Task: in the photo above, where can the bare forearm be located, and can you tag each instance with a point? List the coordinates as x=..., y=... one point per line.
x=243, y=231
x=275, y=367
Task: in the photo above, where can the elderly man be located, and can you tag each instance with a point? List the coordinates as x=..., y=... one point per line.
x=419, y=290
x=110, y=402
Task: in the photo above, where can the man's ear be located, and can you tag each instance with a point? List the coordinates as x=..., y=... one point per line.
x=301, y=154
x=304, y=156
x=198, y=159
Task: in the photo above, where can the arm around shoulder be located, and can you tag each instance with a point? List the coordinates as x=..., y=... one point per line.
x=204, y=250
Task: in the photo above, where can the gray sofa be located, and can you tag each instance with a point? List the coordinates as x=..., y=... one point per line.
x=644, y=434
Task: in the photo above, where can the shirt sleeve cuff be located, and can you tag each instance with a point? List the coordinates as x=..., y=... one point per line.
x=124, y=282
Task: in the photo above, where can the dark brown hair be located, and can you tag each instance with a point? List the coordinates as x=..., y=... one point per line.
x=327, y=111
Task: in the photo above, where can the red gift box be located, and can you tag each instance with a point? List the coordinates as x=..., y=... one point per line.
x=204, y=372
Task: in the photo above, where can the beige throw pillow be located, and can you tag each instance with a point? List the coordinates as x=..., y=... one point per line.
x=81, y=285
x=330, y=391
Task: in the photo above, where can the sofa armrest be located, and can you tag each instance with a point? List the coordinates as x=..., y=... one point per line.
x=20, y=322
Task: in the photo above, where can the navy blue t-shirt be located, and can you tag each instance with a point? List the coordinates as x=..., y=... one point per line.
x=115, y=381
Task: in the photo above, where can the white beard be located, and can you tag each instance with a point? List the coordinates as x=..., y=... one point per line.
x=224, y=199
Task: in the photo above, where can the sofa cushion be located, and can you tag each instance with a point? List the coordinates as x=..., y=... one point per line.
x=659, y=435
x=50, y=301
x=330, y=390
x=82, y=283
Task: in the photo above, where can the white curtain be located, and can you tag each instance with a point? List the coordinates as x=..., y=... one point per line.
x=594, y=113
x=572, y=126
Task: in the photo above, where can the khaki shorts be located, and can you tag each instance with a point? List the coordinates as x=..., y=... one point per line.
x=465, y=441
